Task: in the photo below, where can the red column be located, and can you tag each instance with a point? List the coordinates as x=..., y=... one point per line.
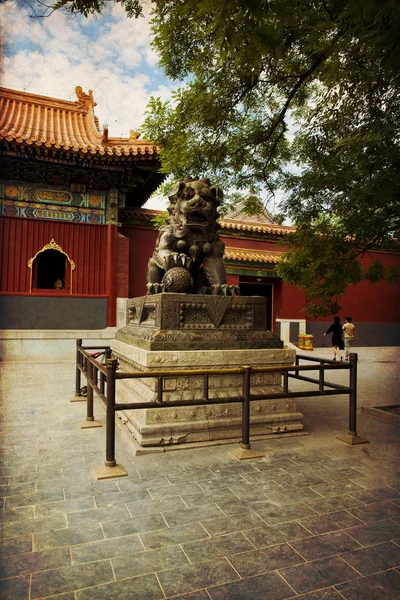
x=111, y=275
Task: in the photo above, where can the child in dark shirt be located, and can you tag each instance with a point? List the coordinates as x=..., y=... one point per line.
x=336, y=330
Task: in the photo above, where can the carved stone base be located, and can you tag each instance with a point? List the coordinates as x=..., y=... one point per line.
x=176, y=425
x=197, y=322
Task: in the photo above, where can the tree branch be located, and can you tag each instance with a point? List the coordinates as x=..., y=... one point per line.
x=281, y=116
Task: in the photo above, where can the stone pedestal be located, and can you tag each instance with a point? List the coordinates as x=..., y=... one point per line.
x=164, y=426
x=196, y=322
x=184, y=331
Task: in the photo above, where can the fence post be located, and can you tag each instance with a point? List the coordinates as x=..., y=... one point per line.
x=90, y=421
x=246, y=410
x=101, y=384
x=352, y=436
x=321, y=378
x=285, y=382
x=110, y=468
x=244, y=452
x=111, y=365
x=77, y=397
x=107, y=353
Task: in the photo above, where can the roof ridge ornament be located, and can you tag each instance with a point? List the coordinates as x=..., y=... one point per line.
x=85, y=101
x=28, y=119
x=104, y=139
x=97, y=123
x=133, y=135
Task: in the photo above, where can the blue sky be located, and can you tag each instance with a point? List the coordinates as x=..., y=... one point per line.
x=109, y=54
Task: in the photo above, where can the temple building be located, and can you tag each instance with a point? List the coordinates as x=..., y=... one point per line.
x=75, y=239
x=62, y=183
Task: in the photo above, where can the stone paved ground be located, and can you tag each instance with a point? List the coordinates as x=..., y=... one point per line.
x=313, y=519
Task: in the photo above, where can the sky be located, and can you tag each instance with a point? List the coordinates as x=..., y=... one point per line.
x=110, y=54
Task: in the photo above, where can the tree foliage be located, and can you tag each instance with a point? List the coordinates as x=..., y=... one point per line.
x=311, y=83
x=44, y=8
x=300, y=95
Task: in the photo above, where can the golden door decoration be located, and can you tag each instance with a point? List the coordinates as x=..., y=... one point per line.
x=52, y=245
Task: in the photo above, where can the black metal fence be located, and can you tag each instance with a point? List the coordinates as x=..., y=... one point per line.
x=102, y=378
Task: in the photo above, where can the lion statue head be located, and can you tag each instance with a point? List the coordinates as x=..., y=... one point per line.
x=194, y=208
x=188, y=256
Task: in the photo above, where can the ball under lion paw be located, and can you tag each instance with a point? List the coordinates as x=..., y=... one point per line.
x=177, y=280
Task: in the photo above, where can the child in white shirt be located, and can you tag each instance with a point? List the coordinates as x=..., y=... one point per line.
x=349, y=335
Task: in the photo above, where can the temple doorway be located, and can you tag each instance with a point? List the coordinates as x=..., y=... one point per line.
x=50, y=270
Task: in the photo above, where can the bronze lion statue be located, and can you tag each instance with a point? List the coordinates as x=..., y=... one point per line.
x=188, y=256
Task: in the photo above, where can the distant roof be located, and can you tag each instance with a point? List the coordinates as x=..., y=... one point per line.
x=53, y=123
x=146, y=214
x=259, y=256
x=238, y=213
x=232, y=254
x=243, y=226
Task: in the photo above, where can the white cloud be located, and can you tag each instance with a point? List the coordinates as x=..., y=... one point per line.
x=156, y=203
x=110, y=54
x=162, y=91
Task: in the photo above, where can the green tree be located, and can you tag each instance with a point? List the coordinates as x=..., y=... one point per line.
x=271, y=83
x=41, y=8
x=326, y=72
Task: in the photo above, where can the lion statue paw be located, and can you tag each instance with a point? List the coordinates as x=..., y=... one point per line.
x=174, y=259
x=155, y=288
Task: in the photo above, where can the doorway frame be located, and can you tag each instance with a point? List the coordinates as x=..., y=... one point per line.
x=52, y=245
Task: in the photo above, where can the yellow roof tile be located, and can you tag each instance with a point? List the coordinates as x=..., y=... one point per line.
x=145, y=214
x=251, y=255
x=41, y=120
x=258, y=227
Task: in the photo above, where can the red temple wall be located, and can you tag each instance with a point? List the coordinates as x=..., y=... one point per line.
x=122, y=266
x=289, y=301
x=141, y=246
x=373, y=303
x=21, y=239
x=368, y=303
x=232, y=279
x=250, y=244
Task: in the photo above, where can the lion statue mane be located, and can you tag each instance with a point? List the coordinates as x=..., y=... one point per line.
x=188, y=256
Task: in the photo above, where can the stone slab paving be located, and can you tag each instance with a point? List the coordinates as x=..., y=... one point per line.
x=313, y=519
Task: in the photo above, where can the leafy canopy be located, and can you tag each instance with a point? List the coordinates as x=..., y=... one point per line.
x=43, y=8
x=300, y=95
x=314, y=84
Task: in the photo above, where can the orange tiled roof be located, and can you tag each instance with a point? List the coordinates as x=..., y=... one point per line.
x=54, y=123
x=252, y=255
x=146, y=214
x=238, y=213
x=258, y=227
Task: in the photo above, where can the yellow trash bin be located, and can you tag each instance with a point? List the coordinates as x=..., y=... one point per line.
x=308, y=341
x=301, y=343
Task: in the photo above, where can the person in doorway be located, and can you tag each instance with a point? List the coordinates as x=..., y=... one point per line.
x=349, y=334
x=336, y=330
x=58, y=285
